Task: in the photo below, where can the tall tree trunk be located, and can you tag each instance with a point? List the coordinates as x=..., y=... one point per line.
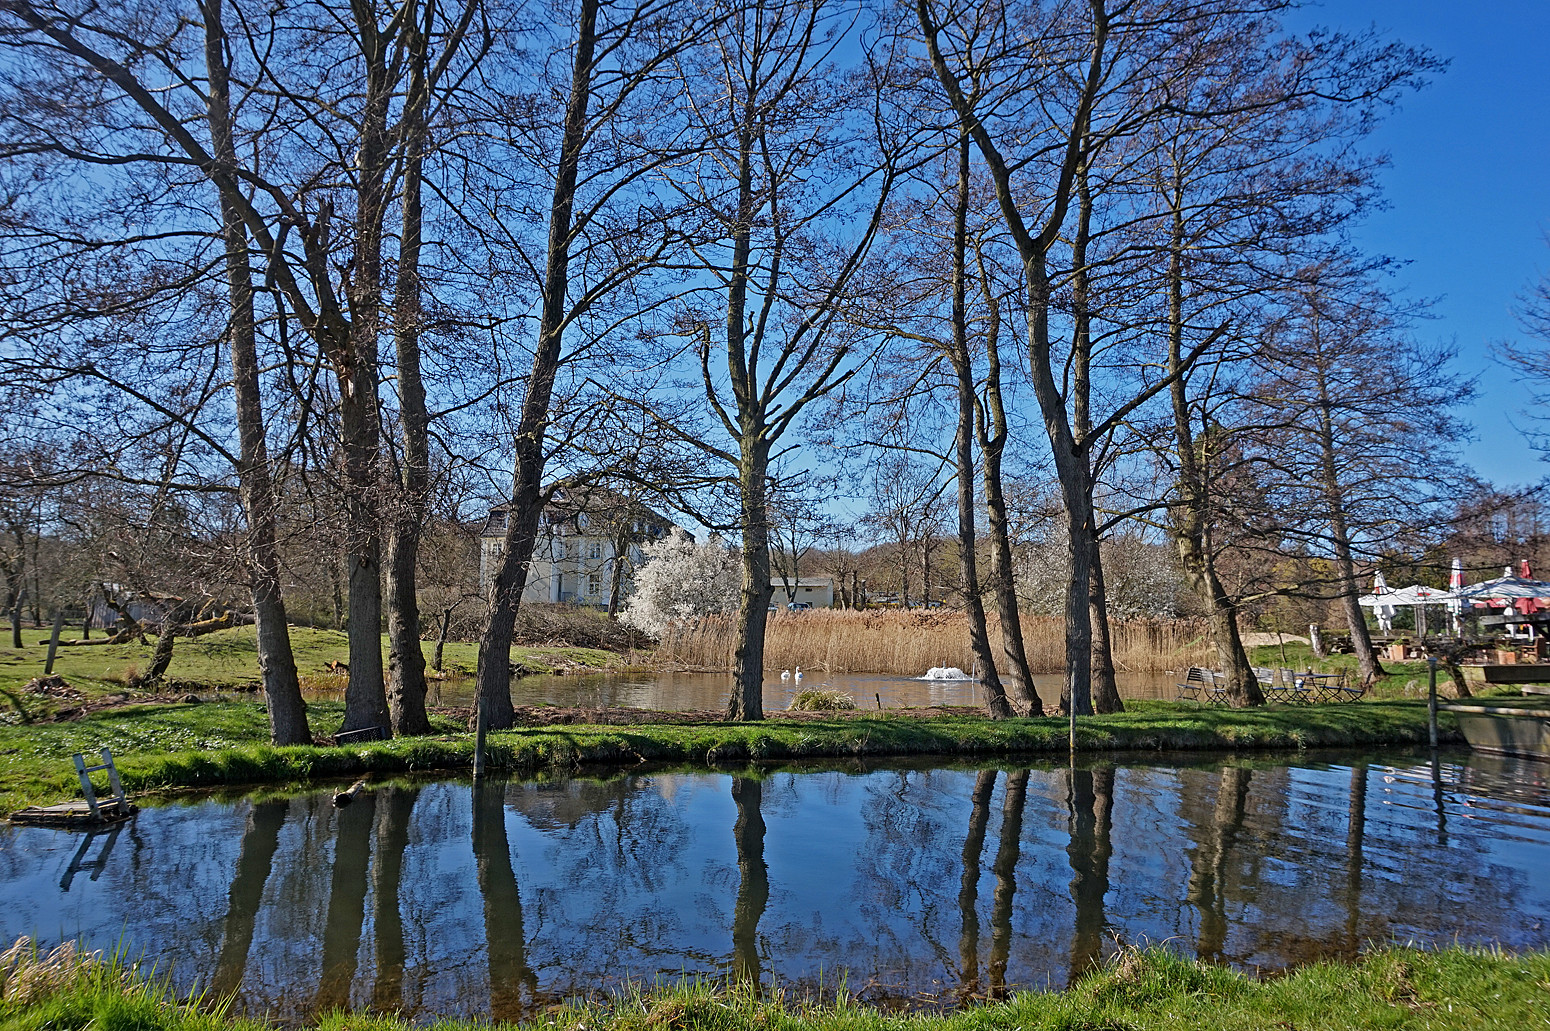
x=1105, y=692
x=993, y=435
x=1033, y=248
x=406, y=659
x=1192, y=510
x=1076, y=492
x=365, y=695
x=1105, y=688
x=1368, y=667
x=276, y=662
x=527, y=495
x=963, y=450
x=355, y=359
x=753, y=609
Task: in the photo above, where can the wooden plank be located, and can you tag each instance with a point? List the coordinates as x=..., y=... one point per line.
x=74, y=813
x=1518, y=673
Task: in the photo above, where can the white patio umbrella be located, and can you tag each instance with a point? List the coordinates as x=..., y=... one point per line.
x=1456, y=606
x=1385, y=613
x=1508, y=586
x=1418, y=595
x=1504, y=589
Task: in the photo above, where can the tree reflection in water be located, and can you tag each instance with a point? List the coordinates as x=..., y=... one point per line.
x=346, y=902
x=1090, y=805
x=969, y=885
x=260, y=841
x=753, y=884
x=1208, y=861
x=887, y=878
x=1005, y=869
x=394, y=811
x=505, y=940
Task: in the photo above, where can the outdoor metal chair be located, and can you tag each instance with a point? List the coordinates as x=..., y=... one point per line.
x=1203, y=685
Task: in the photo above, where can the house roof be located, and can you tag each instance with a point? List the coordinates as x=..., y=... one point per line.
x=580, y=506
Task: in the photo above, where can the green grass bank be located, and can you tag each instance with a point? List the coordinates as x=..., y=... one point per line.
x=169, y=746
x=227, y=660
x=1389, y=988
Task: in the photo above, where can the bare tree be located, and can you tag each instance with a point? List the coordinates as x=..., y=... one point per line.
x=604, y=231
x=775, y=120
x=1366, y=449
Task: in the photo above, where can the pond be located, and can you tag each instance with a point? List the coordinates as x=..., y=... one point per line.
x=670, y=691
x=912, y=884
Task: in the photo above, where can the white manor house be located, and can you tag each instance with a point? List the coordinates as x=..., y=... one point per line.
x=589, y=545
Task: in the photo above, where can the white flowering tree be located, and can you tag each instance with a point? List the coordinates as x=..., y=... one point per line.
x=681, y=579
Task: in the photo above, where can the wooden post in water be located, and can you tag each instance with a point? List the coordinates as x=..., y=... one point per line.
x=53, y=641
x=1431, y=700
x=479, y=729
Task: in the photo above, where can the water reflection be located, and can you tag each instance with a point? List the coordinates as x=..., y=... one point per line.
x=908, y=881
x=753, y=878
x=504, y=933
x=260, y=841
x=1090, y=798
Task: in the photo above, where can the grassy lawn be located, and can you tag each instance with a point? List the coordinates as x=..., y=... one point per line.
x=226, y=660
x=1399, y=988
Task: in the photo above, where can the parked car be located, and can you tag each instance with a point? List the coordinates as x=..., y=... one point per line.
x=798, y=606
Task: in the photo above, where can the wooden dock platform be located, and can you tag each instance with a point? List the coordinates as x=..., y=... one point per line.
x=77, y=813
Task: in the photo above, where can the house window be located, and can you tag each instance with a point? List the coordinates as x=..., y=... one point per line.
x=594, y=548
x=594, y=584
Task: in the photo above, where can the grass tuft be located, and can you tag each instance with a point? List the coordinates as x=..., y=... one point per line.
x=814, y=699
x=1137, y=990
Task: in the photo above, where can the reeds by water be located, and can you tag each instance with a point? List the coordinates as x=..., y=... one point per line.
x=911, y=642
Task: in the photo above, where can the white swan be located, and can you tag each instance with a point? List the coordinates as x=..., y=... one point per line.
x=785, y=674
x=799, y=674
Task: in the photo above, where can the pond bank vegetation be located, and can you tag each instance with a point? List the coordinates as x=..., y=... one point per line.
x=174, y=745
x=1452, y=989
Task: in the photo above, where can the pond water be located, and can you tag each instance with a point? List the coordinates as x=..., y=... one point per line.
x=673, y=691
x=912, y=884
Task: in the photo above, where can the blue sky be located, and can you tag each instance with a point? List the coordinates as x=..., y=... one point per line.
x=1468, y=191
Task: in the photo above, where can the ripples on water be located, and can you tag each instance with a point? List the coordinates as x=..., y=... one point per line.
x=911, y=882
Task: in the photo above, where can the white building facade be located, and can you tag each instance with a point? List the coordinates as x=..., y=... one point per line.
x=812, y=591
x=589, y=545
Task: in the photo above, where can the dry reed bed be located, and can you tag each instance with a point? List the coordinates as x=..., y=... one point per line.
x=911, y=642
